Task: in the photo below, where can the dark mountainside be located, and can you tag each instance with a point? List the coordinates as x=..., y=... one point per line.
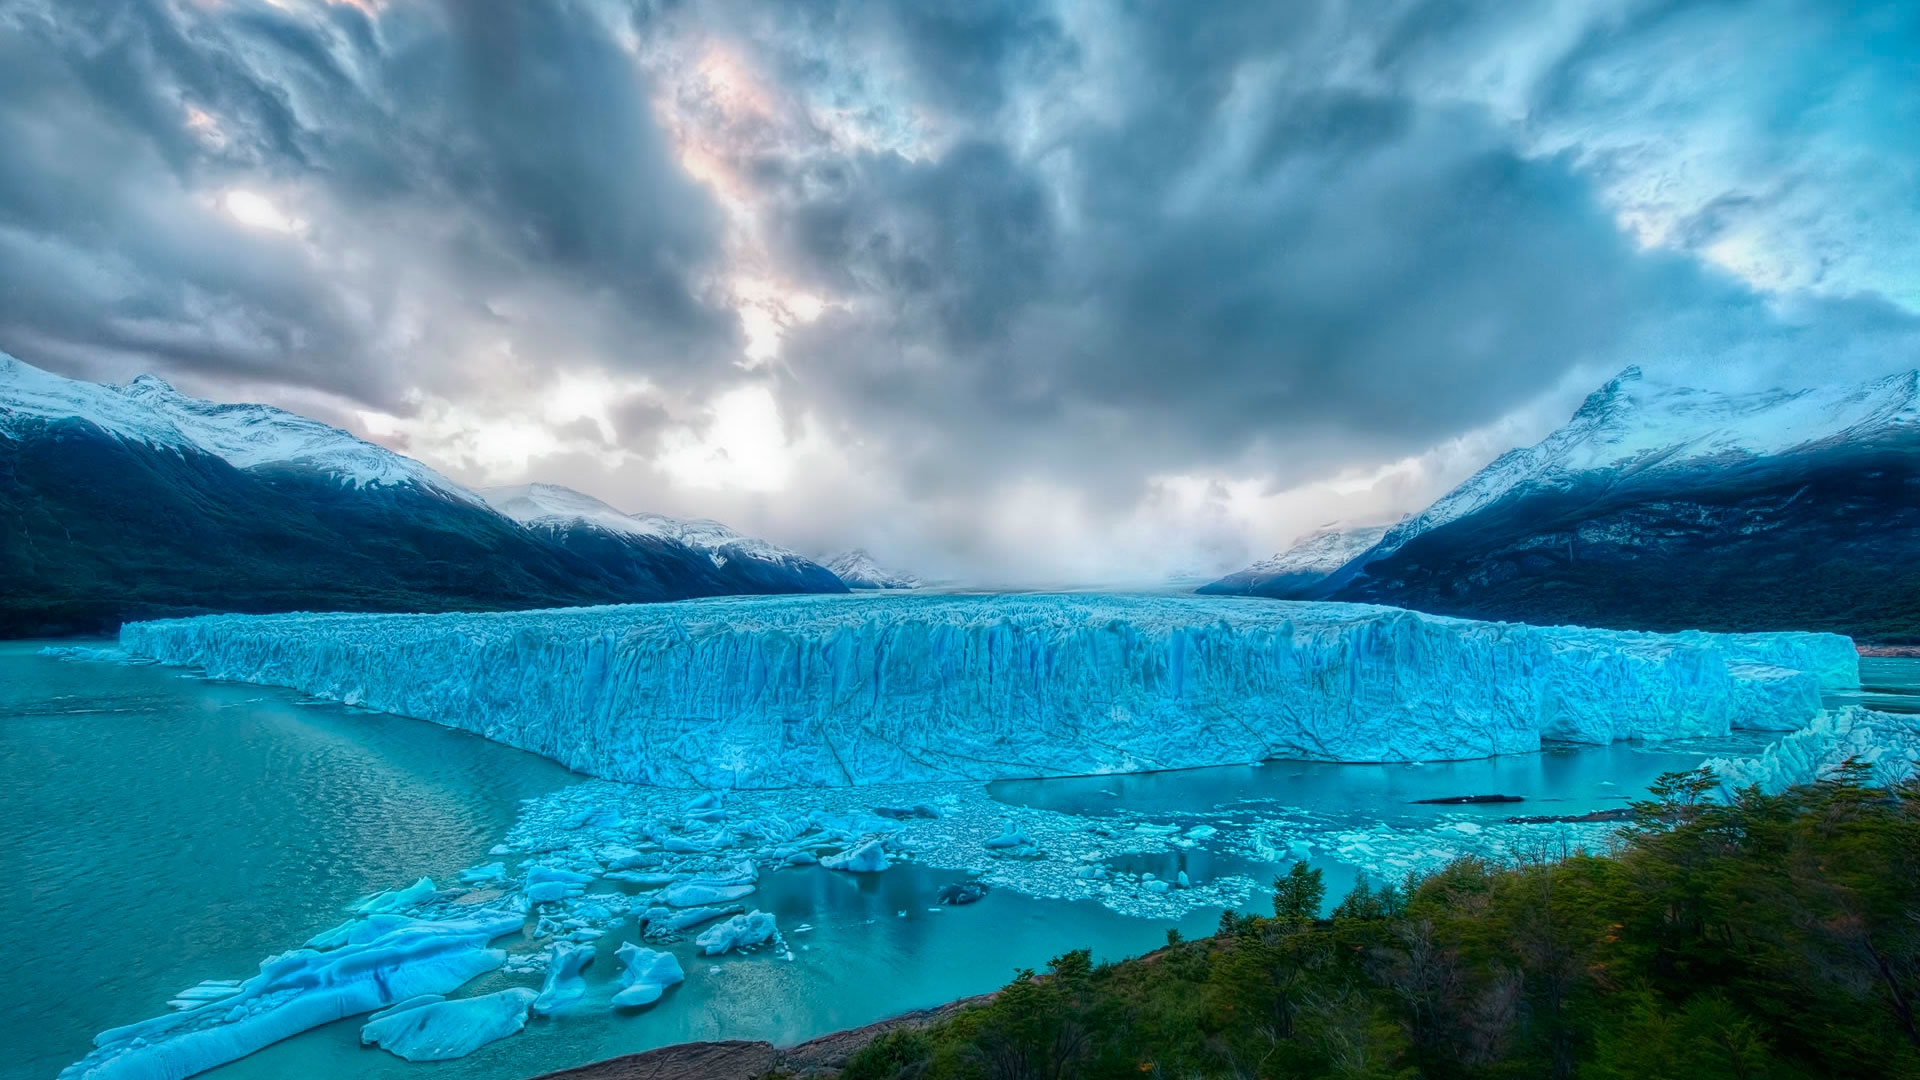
x=1823, y=541
x=96, y=529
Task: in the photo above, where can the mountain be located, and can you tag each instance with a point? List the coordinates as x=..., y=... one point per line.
x=137, y=501
x=859, y=571
x=1306, y=564
x=1664, y=507
x=619, y=543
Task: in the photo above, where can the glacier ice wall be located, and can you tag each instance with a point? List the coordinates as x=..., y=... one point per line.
x=757, y=692
x=1887, y=743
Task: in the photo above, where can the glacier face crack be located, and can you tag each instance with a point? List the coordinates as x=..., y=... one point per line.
x=768, y=692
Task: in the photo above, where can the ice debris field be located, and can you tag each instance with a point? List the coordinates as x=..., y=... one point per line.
x=766, y=692
x=815, y=715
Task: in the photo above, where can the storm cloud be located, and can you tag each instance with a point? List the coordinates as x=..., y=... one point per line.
x=1008, y=291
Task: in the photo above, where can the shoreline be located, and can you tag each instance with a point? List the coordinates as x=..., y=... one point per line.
x=1894, y=652
x=740, y=1059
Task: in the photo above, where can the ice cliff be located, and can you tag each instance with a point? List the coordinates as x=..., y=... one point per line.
x=1887, y=743
x=807, y=690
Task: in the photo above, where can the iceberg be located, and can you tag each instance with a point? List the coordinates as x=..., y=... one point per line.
x=766, y=692
x=648, y=974
x=399, y=898
x=565, y=985
x=443, y=1030
x=298, y=990
x=695, y=894
x=739, y=932
x=868, y=858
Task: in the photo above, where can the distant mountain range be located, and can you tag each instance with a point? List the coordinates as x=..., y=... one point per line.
x=734, y=563
x=137, y=501
x=1307, y=563
x=859, y=570
x=1664, y=507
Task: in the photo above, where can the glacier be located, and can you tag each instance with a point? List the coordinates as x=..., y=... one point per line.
x=768, y=692
x=1887, y=743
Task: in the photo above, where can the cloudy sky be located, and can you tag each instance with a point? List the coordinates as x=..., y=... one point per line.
x=1003, y=289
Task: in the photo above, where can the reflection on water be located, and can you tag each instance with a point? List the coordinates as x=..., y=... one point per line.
x=164, y=829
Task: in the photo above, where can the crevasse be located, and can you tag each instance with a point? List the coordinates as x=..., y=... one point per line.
x=755, y=692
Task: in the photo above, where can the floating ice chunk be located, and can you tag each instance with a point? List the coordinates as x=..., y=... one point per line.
x=82, y=654
x=1182, y=881
x=565, y=985
x=966, y=892
x=651, y=879
x=209, y=990
x=451, y=1029
x=648, y=974
x=415, y=893
x=481, y=875
x=868, y=858
x=1011, y=839
x=708, y=800
x=666, y=921
x=299, y=990
x=410, y=1003
x=626, y=858
x=739, y=932
x=693, y=894
x=359, y=931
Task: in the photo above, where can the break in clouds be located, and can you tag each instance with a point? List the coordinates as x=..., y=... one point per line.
x=1011, y=291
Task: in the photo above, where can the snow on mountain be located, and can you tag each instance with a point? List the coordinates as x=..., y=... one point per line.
x=1307, y=562
x=1634, y=425
x=554, y=505
x=906, y=687
x=859, y=570
x=148, y=410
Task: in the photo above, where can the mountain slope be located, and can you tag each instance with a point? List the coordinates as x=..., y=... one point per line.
x=1660, y=507
x=859, y=570
x=1300, y=567
x=725, y=561
x=136, y=501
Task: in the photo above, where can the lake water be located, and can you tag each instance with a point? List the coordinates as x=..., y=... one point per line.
x=163, y=829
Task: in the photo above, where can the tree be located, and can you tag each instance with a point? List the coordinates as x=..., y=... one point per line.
x=1298, y=894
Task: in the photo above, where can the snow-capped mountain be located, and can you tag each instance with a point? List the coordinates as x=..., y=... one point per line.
x=1660, y=506
x=148, y=410
x=859, y=570
x=132, y=501
x=590, y=526
x=1302, y=566
x=1634, y=427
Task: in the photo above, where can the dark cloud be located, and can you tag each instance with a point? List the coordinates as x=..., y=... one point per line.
x=1053, y=247
x=496, y=148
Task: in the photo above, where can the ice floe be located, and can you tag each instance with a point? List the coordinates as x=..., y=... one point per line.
x=299, y=990
x=443, y=1030
x=646, y=974
x=565, y=984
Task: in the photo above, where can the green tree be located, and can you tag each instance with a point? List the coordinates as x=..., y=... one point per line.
x=1298, y=894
